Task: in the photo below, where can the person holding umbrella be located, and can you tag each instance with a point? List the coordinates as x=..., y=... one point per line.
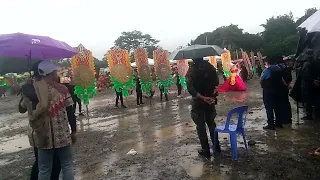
x=49, y=122
x=28, y=103
x=202, y=80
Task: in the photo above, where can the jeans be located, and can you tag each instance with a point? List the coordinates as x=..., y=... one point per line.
x=272, y=106
x=45, y=160
x=55, y=167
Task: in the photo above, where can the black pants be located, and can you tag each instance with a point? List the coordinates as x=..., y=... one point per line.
x=202, y=116
x=161, y=94
x=76, y=101
x=285, y=107
x=139, y=97
x=179, y=89
x=272, y=106
x=56, y=168
x=119, y=96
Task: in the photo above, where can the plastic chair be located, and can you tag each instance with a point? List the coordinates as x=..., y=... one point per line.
x=234, y=130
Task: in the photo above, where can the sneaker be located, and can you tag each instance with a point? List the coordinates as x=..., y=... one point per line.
x=123, y=106
x=142, y=103
x=307, y=118
x=269, y=127
x=116, y=106
x=204, y=152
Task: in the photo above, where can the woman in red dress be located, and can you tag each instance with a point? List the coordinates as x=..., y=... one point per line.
x=234, y=82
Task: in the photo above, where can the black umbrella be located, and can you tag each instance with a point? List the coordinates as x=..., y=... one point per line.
x=15, y=65
x=196, y=51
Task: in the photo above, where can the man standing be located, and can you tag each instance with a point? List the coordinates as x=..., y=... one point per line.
x=138, y=91
x=285, y=112
x=119, y=96
x=202, y=80
x=49, y=123
x=272, y=83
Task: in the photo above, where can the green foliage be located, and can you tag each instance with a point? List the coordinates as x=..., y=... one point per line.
x=135, y=39
x=279, y=36
x=230, y=37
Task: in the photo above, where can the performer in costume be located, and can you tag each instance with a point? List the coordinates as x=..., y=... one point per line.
x=120, y=73
x=234, y=82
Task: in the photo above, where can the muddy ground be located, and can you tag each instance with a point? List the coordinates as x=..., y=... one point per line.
x=165, y=139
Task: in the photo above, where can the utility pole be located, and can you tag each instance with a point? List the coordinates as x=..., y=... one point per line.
x=206, y=40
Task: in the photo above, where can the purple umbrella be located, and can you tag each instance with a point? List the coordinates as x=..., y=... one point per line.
x=32, y=46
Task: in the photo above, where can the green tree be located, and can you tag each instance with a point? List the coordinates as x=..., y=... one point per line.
x=133, y=39
x=280, y=35
x=230, y=37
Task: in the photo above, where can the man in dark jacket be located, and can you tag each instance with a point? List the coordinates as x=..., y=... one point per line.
x=29, y=92
x=272, y=84
x=202, y=80
x=285, y=112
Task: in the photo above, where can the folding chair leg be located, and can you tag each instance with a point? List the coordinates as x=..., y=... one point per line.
x=245, y=141
x=234, y=146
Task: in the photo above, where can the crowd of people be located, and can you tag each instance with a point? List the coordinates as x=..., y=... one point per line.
x=51, y=108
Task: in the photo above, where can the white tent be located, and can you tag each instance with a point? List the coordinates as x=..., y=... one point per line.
x=312, y=24
x=151, y=63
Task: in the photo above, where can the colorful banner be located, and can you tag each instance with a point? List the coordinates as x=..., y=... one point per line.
x=213, y=61
x=162, y=69
x=260, y=59
x=120, y=71
x=183, y=67
x=247, y=63
x=144, y=71
x=83, y=72
x=253, y=62
x=226, y=63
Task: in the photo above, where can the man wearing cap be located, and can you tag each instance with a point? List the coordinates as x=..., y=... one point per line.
x=202, y=80
x=28, y=103
x=49, y=122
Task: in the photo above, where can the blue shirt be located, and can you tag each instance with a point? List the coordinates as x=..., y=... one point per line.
x=266, y=74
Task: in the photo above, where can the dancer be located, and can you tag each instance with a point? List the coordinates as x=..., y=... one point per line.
x=234, y=82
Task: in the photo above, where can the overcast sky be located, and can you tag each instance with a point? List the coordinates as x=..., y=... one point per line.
x=97, y=23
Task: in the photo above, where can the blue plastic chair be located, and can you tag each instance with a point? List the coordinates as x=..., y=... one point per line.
x=234, y=129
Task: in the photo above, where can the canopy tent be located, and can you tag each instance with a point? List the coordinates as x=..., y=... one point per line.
x=151, y=62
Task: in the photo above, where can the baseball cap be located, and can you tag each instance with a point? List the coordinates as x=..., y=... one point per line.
x=47, y=67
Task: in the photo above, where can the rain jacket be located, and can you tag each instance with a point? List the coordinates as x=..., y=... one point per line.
x=202, y=79
x=48, y=109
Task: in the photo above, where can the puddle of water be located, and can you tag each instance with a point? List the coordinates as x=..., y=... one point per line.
x=175, y=131
x=197, y=168
x=14, y=144
x=93, y=169
x=101, y=123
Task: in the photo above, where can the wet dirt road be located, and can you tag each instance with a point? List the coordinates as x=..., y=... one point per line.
x=166, y=143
